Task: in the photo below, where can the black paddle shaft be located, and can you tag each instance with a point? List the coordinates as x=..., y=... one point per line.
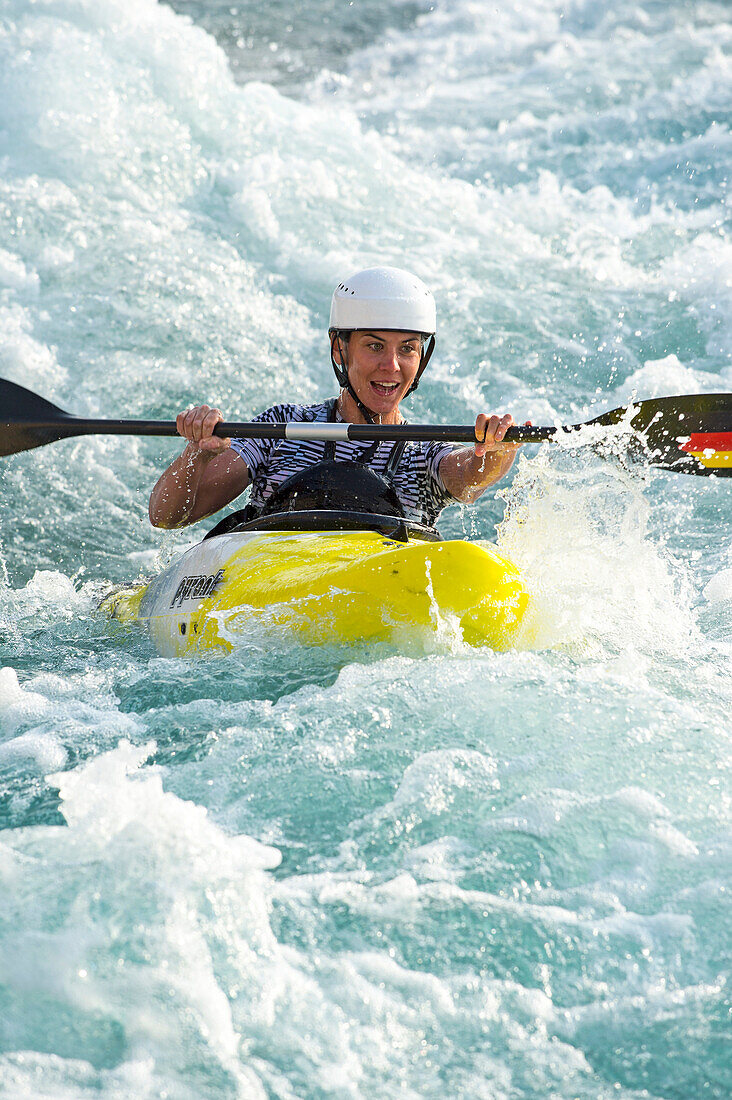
x=35, y=433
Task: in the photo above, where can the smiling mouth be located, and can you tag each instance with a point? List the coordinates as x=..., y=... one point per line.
x=385, y=388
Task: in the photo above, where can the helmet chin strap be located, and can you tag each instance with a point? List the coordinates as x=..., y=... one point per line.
x=424, y=360
x=341, y=372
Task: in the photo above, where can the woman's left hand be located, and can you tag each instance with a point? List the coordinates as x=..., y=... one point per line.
x=489, y=432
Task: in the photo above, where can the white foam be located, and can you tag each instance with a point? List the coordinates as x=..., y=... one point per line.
x=54, y=258
x=19, y=706
x=433, y=778
x=15, y=275
x=23, y=358
x=99, y=796
x=50, y=593
x=42, y=751
x=664, y=377
x=122, y=820
x=719, y=588
x=700, y=274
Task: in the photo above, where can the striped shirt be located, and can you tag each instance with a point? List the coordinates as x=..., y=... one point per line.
x=416, y=480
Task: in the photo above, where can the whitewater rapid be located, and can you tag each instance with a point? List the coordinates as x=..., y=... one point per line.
x=343, y=872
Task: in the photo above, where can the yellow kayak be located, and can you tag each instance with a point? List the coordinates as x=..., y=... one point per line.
x=326, y=586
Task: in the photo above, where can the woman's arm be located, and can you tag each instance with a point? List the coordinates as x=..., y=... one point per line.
x=206, y=477
x=468, y=473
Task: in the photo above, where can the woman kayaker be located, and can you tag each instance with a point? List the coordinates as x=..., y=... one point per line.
x=382, y=332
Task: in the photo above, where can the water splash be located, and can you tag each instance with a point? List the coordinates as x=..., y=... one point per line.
x=577, y=523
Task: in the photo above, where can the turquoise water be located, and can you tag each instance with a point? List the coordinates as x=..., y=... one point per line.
x=434, y=871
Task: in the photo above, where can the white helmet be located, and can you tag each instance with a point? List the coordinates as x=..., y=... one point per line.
x=385, y=298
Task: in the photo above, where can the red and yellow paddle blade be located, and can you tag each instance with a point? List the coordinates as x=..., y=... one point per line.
x=691, y=435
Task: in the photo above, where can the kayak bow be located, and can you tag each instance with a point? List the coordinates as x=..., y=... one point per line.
x=325, y=586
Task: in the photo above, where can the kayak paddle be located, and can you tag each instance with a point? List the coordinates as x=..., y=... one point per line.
x=692, y=435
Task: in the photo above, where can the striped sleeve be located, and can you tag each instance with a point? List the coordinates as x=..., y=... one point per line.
x=256, y=452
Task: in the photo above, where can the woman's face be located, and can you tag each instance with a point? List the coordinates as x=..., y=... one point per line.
x=382, y=367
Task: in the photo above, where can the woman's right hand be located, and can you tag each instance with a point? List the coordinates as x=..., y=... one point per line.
x=197, y=425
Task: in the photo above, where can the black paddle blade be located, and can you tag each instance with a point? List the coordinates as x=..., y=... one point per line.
x=28, y=421
x=692, y=435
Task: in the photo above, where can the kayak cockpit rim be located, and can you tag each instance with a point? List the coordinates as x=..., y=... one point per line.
x=326, y=519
